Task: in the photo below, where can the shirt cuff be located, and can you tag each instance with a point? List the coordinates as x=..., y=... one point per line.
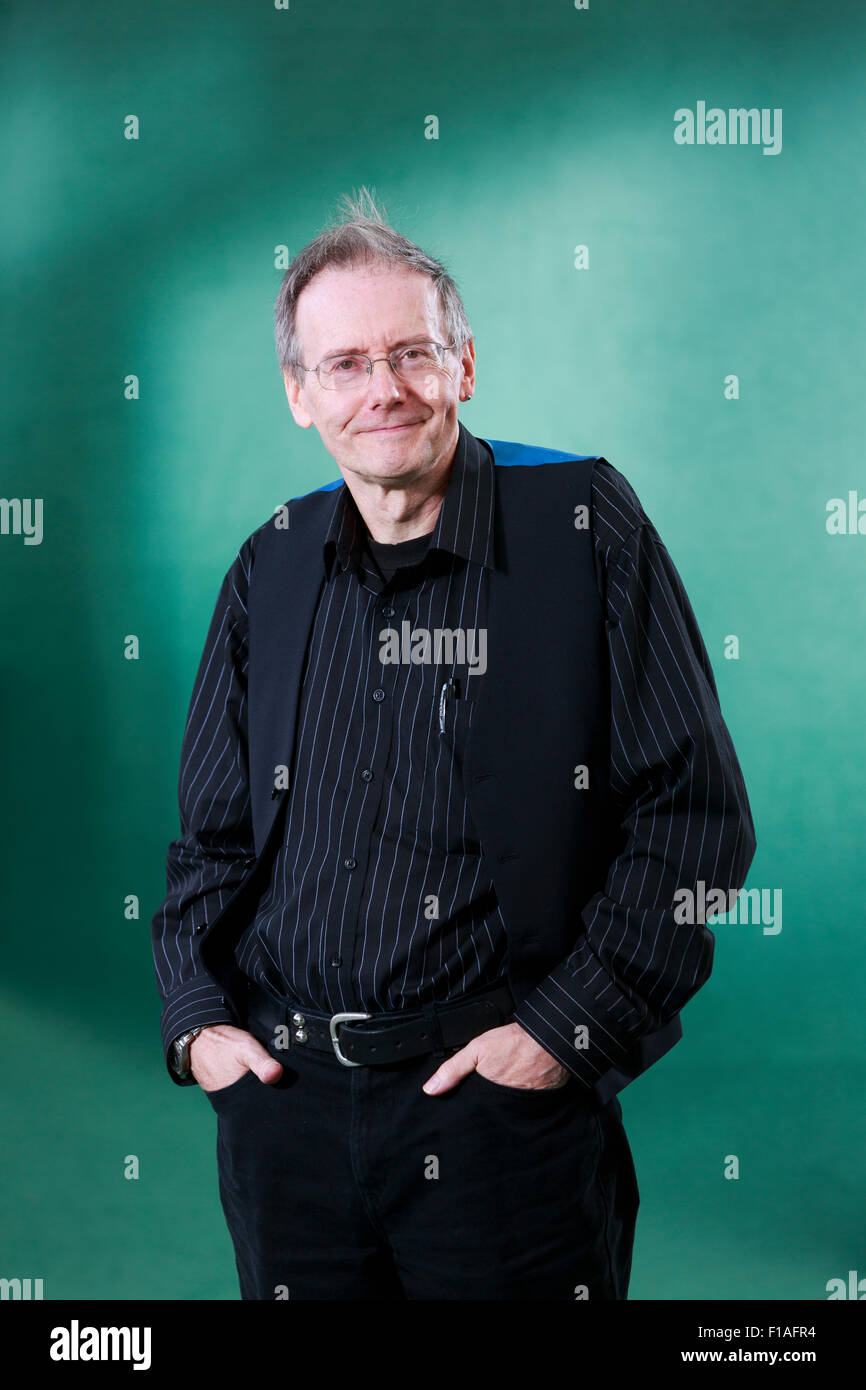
x=194, y=1004
x=564, y=1020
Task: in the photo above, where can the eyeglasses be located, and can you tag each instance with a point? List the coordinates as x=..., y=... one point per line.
x=344, y=371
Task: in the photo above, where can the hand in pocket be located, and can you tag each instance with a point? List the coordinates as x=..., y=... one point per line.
x=221, y=1054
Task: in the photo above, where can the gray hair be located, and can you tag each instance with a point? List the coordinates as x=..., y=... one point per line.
x=361, y=237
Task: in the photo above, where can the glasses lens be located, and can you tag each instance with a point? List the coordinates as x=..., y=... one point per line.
x=338, y=373
x=416, y=359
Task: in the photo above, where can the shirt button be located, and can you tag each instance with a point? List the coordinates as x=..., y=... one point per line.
x=351, y=863
x=388, y=612
x=367, y=775
x=336, y=960
x=379, y=694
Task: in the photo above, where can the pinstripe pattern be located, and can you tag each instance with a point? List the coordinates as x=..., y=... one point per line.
x=378, y=822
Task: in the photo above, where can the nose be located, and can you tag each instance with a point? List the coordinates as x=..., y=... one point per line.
x=386, y=384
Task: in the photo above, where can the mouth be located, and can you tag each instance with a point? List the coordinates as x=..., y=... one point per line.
x=394, y=429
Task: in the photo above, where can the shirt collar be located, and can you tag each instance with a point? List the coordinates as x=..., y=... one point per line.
x=464, y=526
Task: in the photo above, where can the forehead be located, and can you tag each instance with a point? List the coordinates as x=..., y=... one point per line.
x=365, y=306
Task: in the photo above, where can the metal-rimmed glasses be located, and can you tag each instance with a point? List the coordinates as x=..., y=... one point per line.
x=411, y=362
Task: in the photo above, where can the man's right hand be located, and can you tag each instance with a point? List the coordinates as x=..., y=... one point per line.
x=221, y=1054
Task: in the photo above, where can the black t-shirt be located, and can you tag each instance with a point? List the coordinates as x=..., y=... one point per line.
x=390, y=557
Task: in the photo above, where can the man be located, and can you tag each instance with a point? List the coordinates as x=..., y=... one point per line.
x=453, y=746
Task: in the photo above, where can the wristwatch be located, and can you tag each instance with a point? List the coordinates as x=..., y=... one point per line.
x=180, y=1052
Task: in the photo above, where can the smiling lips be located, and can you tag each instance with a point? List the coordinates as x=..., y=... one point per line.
x=386, y=429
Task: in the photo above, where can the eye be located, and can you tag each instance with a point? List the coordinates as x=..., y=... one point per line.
x=418, y=352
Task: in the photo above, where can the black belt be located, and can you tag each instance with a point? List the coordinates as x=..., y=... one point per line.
x=374, y=1039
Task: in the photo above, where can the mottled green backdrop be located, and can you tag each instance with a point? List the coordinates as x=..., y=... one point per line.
x=156, y=258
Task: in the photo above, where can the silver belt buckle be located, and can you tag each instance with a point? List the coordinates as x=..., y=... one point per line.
x=334, y=1025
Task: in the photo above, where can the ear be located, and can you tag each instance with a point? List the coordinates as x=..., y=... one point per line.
x=294, y=394
x=467, y=370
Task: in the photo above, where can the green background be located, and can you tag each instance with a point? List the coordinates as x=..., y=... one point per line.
x=156, y=257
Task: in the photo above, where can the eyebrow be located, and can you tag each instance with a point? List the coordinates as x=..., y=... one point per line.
x=403, y=342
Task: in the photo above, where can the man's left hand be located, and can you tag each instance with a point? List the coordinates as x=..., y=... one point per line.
x=507, y=1055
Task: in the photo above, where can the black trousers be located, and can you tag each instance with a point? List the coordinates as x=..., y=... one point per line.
x=352, y=1183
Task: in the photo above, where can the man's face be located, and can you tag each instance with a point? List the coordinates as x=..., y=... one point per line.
x=386, y=428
